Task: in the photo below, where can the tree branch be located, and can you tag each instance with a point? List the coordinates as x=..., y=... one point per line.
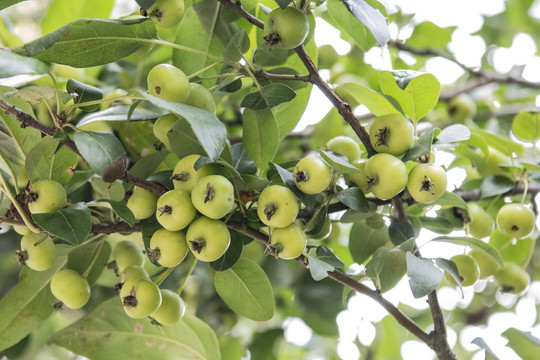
x=115, y=228
x=345, y=280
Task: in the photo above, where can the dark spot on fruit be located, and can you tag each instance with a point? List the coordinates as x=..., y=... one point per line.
x=197, y=245
x=301, y=176
x=157, y=89
x=382, y=137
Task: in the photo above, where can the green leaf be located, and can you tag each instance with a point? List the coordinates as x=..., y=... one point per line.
x=208, y=131
x=241, y=160
x=526, y=126
x=90, y=42
x=421, y=147
x=81, y=92
x=371, y=18
x=451, y=268
x=99, y=149
x=429, y=35
x=283, y=3
x=245, y=288
x=450, y=199
x=260, y=136
x=72, y=224
x=61, y=12
x=104, y=190
x=453, y=133
x=44, y=162
x=232, y=254
x=523, y=343
x=268, y=97
x=400, y=231
x=338, y=162
x=354, y=198
x=386, y=268
x=318, y=268
x=364, y=240
x=95, y=254
x=12, y=64
x=424, y=277
x=490, y=355
x=377, y=103
x=475, y=244
x=119, y=113
x=7, y=3
x=339, y=16
x=108, y=333
x=417, y=93
x=510, y=251
x=327, y=255
x=201, y=29
x=34, y=94
x=438, y=225
x=236, y=47
x=496, y=185
x=121, y=210
x=27, y=304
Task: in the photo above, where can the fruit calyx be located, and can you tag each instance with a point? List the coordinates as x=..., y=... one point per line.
x=269, y=211
x=165, y=210
x=21, y=257
x=301, y=176
x=154, y=254
x=382, y=137
x=210, y=192
x=427, y=185
x=130, y=300
x=183, y=176
x=272, y=39
x=197, y=244
x=372, y=181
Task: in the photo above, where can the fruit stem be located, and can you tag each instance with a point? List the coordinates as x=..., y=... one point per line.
x=184, y=282
x=526, y=261
x=18, y=206
x=203, y=70
x=158, y=279
x=525, y=189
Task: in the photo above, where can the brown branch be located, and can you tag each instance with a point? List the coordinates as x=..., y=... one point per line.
x=115, y=228
x=28, y=120
x=260, y=73
x=236, y=6
x=346, y=280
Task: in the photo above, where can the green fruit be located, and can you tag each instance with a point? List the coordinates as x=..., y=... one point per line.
x=286, y=28
x=392, y=134
x=512, y=278
x=461, y=108
x=134, y=271
x=171, y=310
x=142, y=203
x=327, y=56
x=38, y=257
x=515, y=220
x=213, y=196
x=47, y=196
x=487, y=265
x=277, y=206
x=289, y=242
x=312, y=175
x=168, y=82
x=166, y=13
x=481, y=224
x=345, y=146
x=175, y=210
x=184, y=174
x=201, y=98
x=140, y=297
x=468, y=270
x=71, y=288
x=208, y=239
x=127, y=253
x=162, y=126
x=21, y=229
x=427, y=182
x=386, y=176
x=168, y=248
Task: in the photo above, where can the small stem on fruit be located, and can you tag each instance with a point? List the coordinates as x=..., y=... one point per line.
x=269, y=211
x=525, y=188
x=158, y=279
x=183, y=176
x=526, y=261
x=15, y=203
x=203, y=70
x=188, y=274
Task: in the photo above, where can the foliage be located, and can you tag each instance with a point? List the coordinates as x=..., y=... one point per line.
x=76, y=110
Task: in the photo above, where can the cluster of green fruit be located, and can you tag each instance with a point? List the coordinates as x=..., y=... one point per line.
x=513, y=220
x=384, y=174
x=141, y=297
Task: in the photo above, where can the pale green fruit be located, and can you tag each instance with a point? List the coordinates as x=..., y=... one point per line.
x=487, y=265
x=184, y=174
x=289, y=241
x=468, y=270
x=213, y=196
x=512, y=278
x=162, y=126
x=142, y=203
x=47, y=196
x=175, y=210
x=171, y=310
x=208, y=239
x=312, y=175
x=346, y=146
x=166, y=13
x=127, y=253
x=140, y=297
x=277, y=206
x=71, y=288
x=168, y=248
x=201, y=98
x=286, y=28
x=38, y=257
x=481, y=224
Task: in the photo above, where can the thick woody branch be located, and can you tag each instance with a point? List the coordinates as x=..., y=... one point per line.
x=120, y=227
